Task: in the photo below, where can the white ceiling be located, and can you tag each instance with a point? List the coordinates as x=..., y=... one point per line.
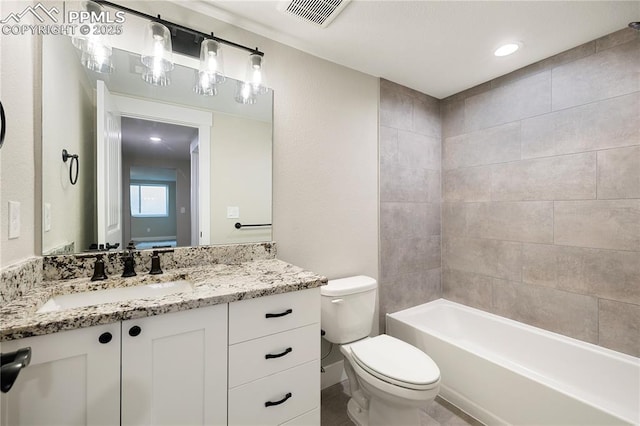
x=436, y=47
x=175, y=143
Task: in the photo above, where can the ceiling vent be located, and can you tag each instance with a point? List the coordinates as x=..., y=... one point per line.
x=317, y=12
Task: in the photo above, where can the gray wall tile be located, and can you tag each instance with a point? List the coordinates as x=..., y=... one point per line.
x=418, y=151
x=409, y=220
x=524, y=98
x=495, y=145
x=407, y=290
x=622, y=36
x=400, y=256
x=620, y=327
x=469, y=184
x=452, y=114
x=606, y=74
x=613, y=224
x=500, y=259
x=561, y=58
x=426, y=117
x=565, y=177
x=467, y=288
x=573, y=315
x=396, y=109
x=434, y=186
x=608, y=274
x=619, y=173
x=529, y=221
x=606, y=124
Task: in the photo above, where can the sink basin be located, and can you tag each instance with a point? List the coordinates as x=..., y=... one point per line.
x=112, y=295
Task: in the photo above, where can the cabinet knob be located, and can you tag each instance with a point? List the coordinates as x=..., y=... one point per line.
x=135, y=331
x=105, y=338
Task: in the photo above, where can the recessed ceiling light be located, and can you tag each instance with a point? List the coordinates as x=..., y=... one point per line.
x=507, y=49
x=155, y=139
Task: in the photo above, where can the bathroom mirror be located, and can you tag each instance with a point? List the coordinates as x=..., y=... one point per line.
x=189, y=167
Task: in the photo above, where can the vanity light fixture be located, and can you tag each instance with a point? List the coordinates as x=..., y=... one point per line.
x=507, y=49
x=157, y=55
x=95, y=49
x=163, y=37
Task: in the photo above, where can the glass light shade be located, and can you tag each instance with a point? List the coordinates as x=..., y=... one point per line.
x=255, y=74
x=245, y=93
x=211, y=61
x=156, y=76
x=95, y=49
x=157, y=54
x=204, y=84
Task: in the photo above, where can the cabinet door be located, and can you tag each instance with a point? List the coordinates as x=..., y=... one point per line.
x=174, y=368
x=73, y=379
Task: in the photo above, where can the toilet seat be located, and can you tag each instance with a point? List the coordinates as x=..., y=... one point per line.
x=396, y=362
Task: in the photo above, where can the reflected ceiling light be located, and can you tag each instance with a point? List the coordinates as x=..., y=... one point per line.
x=507, y=49
x=245, y=93
x=155, y=139
x=157, y=55
x=95, y=49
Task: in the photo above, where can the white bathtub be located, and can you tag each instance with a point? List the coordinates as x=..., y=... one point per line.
x=504, y=372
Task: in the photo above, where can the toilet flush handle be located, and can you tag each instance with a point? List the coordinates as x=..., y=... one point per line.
x=337, y=300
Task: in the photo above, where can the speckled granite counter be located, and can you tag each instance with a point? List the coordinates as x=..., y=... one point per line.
x=212, y=284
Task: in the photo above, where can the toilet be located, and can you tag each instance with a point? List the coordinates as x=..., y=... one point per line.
x=391, y=381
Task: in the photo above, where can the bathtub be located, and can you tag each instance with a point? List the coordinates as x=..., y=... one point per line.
x=504, y=372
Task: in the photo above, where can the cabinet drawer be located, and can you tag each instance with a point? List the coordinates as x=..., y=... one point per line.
x=252, y=318
x=262, y=357
x=294, y=392
x=307, y=419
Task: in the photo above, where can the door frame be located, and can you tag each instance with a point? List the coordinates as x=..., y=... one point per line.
x=184, y=116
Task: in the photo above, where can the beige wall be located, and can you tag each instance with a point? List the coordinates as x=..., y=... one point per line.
x=325, y=151
x=68, y=122
x=541, y=191
x=20, y=93
x=410, y=152
x=241, y=173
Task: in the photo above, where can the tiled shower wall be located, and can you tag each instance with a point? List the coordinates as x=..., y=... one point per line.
x=541, y=195
x=410, y=157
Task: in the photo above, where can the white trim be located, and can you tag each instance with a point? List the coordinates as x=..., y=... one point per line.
x=203, y=120
x=333, y=374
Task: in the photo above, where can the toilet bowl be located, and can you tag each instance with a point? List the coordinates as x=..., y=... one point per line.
x=390, y=380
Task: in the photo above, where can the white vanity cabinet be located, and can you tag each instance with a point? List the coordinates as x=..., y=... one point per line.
x=73, y=379
x=174, y=368
x=274, y=359
x=174, y=371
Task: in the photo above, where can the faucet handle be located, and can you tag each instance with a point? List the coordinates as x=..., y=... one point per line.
x=98, y=269
x=155, y=261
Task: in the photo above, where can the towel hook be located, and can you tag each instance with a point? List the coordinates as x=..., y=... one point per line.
x=73, y=157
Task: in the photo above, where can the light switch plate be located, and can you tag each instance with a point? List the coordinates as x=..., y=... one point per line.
x=233, y=212
x=47, y=217
x=14, y=219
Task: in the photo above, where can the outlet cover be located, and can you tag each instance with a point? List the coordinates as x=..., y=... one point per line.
x=233, y=212
x=14, y=219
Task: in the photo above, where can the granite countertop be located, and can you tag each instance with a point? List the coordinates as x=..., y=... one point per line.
x=212, y=284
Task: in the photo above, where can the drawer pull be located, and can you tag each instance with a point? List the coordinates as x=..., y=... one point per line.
x=281, y=314
x=271, y=403
x=286, y=351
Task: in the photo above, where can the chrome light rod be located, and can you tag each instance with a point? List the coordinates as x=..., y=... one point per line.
x=172, y=26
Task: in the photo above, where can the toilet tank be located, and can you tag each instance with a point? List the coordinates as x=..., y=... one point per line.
x=348, y=308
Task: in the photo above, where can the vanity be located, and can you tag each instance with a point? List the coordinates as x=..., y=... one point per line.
x=234, y=343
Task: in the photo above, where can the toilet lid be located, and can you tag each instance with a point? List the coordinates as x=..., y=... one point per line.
x=395, y=361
